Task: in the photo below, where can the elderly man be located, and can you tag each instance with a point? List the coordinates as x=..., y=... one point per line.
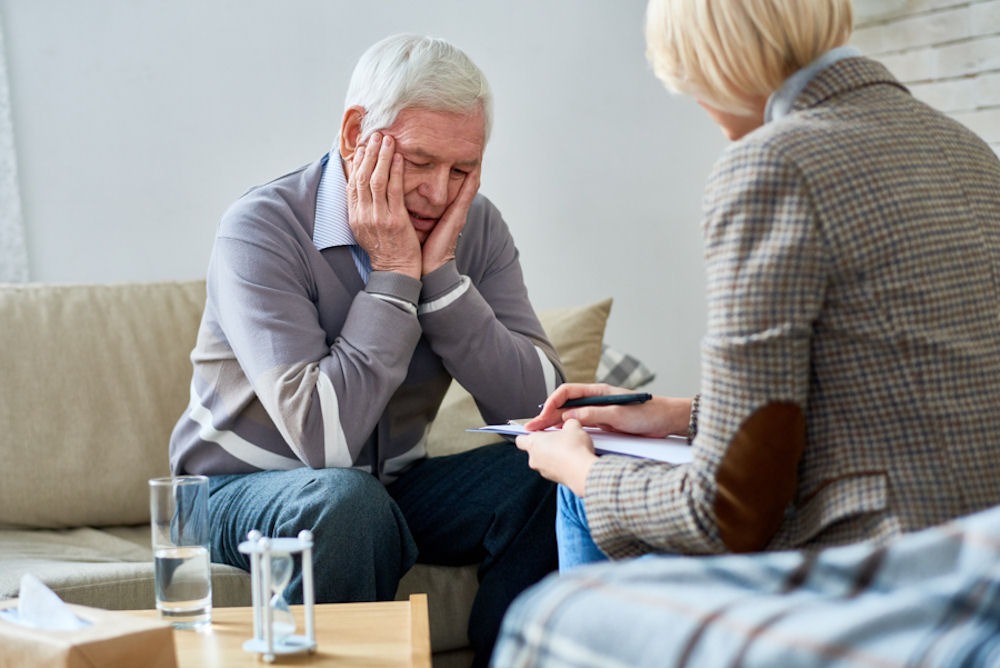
x=343, y=298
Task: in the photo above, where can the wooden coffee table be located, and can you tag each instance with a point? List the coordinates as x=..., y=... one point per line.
x=389, y=633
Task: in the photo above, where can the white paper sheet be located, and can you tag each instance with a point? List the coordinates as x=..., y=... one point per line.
x=672, y=449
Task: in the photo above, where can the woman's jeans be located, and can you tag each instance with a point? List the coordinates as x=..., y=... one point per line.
x=576, y=547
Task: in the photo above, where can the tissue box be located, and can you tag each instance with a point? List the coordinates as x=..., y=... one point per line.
x=111, y=639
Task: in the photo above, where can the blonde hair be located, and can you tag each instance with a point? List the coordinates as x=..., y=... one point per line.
x=726, y=52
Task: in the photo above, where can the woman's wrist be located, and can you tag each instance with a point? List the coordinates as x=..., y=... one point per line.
x=577, y=478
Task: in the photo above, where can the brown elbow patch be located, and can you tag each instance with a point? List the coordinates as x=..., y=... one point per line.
x=758, y=474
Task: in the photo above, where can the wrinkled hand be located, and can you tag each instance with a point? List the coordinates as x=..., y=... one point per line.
x=439, y=248
x=375, y=207
x=563, y=456
x=658, y=417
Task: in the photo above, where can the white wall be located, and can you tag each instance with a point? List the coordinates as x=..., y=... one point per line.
x=138, y=121
x=13, y=252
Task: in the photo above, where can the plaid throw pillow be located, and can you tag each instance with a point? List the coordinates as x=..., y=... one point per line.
x=621, y=369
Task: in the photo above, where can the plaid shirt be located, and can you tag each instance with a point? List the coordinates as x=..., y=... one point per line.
x=930, y=598
x=853, y=273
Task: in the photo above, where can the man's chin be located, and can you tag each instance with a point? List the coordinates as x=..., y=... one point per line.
x=423, y=226
x=422, y=234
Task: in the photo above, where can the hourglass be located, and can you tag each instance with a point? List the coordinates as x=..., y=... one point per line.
x=271, y=567
x=282, y=620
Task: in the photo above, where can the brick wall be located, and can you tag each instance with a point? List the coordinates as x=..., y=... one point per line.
x=946, y=52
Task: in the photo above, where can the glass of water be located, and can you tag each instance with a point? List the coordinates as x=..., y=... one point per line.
x=179, y=519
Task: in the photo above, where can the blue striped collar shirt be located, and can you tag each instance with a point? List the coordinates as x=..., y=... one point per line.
x=331, y=227
x=780, y=102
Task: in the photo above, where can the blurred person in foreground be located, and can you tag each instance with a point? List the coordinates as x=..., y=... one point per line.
x=343, y=298
x=851, y=363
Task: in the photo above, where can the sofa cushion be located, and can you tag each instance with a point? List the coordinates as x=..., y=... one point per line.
x=110, y=568
x=577, y=334
x=94, y=378
x=450, y=590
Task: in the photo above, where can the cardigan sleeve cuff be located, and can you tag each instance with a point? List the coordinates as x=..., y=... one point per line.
x=395, y=288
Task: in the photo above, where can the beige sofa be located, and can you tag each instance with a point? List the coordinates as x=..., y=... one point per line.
x=92, y=379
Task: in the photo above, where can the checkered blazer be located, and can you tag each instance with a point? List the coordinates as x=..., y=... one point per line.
x=852, y=352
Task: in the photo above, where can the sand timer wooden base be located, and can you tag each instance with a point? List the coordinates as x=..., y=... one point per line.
x=271, y=567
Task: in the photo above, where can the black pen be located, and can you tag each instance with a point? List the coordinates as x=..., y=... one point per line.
x=608, y=400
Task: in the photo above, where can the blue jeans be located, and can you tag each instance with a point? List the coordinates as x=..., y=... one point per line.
x=576, y=547
x=481, y=507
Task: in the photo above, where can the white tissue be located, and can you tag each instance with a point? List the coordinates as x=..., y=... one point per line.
x=39, y=607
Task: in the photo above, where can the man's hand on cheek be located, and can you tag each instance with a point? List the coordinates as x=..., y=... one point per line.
x=376, y=211
x=439, y=248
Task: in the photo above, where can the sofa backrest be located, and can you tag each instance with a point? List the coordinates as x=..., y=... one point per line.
x=94, y=377
x=92, y=381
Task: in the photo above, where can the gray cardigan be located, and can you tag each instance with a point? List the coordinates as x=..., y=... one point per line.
x=298, y=364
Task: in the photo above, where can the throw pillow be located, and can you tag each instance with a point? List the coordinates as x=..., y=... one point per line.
x=622, y=370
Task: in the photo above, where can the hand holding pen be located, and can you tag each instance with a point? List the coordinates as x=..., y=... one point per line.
x=613, y=409
x=607, y=400
x=584, y=401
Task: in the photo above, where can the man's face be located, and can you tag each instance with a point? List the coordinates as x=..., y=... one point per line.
x=439, y=149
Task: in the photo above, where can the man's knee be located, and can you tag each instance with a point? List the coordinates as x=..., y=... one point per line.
x=361, y=543
x=336, y=501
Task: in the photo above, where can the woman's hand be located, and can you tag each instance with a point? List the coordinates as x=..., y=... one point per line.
x=659, y=417
x=563, y=456
x=552, y=414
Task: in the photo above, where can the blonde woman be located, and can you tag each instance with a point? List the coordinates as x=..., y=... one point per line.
x=851, y=364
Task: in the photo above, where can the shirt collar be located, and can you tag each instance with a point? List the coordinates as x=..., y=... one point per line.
x=780, y=102
x=331, y=227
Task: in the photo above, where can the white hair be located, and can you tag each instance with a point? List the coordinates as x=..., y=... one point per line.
x=403, y=71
